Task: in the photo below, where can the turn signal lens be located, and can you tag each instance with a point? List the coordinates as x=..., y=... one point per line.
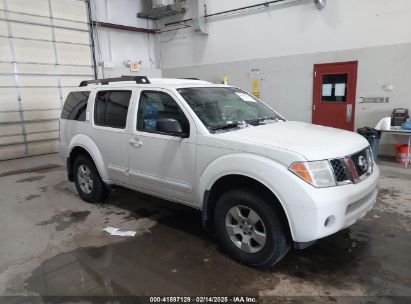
x=317, y=173
x=302, y=171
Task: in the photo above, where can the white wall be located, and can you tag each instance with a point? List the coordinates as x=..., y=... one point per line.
x=115, y=47
x=287, y=82
x=292, y=29
x=285, y=42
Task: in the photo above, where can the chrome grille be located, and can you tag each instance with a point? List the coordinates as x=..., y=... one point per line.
x=353, y=168
x=361, y=162
x=339, y=170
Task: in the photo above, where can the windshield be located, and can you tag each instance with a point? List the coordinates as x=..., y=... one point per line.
x=224, y=108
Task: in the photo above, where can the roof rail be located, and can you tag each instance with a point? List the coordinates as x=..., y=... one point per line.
x=105, y=81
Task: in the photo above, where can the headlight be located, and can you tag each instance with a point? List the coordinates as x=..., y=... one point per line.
x=317, y=173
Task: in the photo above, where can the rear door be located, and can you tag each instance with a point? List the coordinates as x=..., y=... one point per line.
x=335, y=87
x=109, y=121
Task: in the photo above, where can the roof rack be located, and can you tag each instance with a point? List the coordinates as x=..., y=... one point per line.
x=105, y=81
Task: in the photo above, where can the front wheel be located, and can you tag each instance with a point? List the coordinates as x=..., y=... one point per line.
x=88, y=181
x=250, y=228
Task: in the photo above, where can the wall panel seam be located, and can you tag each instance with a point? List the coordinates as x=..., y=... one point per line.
x=16, y=79
x=56, y=67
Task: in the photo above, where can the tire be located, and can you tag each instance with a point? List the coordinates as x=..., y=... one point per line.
x=244, y=242
x=88, y=181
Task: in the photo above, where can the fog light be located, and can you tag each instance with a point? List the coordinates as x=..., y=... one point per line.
x=329, y=221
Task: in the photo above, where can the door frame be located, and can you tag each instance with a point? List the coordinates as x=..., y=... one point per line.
x=354, y=84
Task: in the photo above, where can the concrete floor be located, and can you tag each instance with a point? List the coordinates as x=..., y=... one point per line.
x=52, y=243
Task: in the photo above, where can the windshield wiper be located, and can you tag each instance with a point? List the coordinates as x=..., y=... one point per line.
x=263, y=121
x=229, y=125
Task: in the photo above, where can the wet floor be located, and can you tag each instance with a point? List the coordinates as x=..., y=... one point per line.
x=176, y=257
x=52, y=244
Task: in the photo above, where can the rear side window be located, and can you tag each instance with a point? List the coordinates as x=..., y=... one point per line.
x=111, y=108
x=75, y=106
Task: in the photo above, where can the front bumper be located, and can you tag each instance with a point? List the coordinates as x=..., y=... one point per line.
x=333, y=209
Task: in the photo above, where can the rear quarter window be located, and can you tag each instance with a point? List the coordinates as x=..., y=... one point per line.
x=111, y=108
x=75, y=106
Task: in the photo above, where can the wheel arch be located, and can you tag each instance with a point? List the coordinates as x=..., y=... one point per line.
x=232, y=181
x=82, y=144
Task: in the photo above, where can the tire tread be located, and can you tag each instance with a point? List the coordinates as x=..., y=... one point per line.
x=267, y=210
x=100, y=191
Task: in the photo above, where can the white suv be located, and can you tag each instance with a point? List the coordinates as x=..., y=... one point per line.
x=261, y=182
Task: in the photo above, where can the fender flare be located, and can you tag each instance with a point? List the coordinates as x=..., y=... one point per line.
x=261, y=169
x=85, y=142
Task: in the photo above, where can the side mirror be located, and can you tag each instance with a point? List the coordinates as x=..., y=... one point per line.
x=171, y=126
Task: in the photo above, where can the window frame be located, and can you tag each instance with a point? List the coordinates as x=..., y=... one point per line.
x=156, y=133
x=130, y=107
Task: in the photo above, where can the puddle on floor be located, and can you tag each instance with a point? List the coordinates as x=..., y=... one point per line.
x=31, y=197
x=176, y=257
x=30, y=179
x=66, y=219
x=38, y=169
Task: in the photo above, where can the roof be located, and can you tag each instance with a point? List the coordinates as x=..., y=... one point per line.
x=167, y=83
x=175, y=81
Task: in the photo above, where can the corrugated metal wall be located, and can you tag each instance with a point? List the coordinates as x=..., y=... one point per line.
x=44, y=51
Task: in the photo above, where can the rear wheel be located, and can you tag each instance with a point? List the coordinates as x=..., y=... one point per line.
x=88, y=181
x=250, y=229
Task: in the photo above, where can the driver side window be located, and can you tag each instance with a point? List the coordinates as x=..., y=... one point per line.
x=154, y=105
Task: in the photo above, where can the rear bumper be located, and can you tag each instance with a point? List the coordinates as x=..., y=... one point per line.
x=335, y=208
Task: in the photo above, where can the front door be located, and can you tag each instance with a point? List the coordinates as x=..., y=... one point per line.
x=159, y=163
x=335, y=87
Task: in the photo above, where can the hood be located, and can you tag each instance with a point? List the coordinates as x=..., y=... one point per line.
x=311, y=141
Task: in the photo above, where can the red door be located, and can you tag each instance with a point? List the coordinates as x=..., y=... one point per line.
x=335, y=86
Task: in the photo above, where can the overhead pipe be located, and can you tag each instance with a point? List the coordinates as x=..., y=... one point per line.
x=124, y=27
x=199, y=20
x=91, y=38
x=319, y=4
x=263, y=4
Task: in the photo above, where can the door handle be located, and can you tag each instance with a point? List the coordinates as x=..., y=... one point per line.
x=349, y=113
x=136, y=143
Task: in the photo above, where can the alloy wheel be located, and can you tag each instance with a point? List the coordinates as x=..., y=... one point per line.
x=246, y=229
x=85, y=179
